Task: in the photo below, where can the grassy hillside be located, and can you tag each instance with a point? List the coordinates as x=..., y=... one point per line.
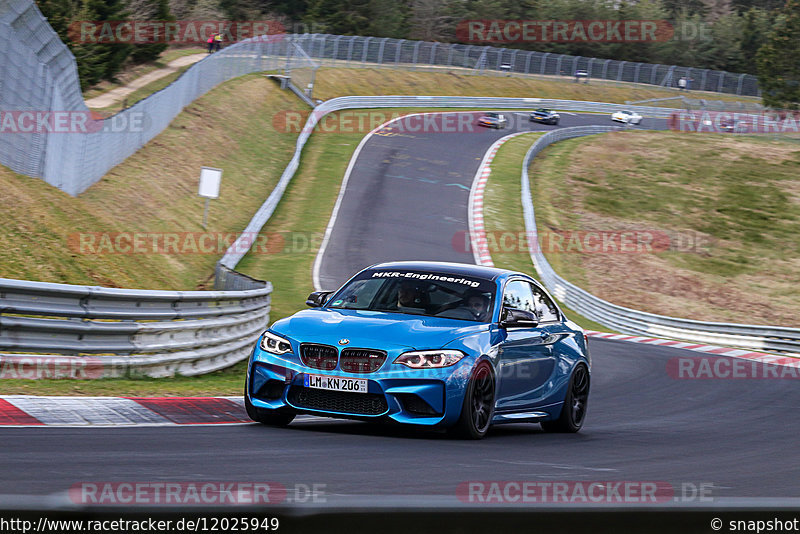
x=155, y=191
x=232, y=128
x=725, y=209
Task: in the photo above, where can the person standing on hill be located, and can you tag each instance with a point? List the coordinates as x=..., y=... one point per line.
x=210, y=44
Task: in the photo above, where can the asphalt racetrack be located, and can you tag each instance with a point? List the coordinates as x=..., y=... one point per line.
x=406, y=198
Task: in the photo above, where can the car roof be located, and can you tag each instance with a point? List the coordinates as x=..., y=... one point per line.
x=462, y=269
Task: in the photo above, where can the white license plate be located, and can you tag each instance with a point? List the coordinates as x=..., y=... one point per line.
x=336, y=383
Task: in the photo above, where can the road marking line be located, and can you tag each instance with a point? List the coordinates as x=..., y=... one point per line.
x=477, y=231
x=85, y=410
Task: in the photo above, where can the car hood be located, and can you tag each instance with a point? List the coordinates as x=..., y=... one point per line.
x=369, y=329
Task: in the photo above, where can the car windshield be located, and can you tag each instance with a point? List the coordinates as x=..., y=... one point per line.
x=438, y=294
x=492, y=115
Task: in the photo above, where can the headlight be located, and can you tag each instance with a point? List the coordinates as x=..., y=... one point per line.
x=429, y=359
x=275, y=344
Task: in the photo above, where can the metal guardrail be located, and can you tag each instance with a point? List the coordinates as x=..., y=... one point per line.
x=38, y=73
x=241, y=246
x=629, y=321
x=127, y=332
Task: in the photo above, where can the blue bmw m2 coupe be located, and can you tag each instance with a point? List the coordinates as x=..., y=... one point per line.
x=440, y=345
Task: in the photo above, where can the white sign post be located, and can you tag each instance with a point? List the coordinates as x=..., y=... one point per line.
x=209, y=187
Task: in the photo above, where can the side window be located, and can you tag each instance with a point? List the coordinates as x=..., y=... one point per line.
x=545, y=308
x=518, y=295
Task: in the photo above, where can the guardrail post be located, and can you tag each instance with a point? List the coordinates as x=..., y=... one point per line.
x=399, y=45
x=335, y=54
x=636, y=72
x=433, y=54
x=467, y=56
x=605, y=69
x=350, y=50
x=380, y=50
x=544, y=62
x=619, y=72
x=528, y=63
x=415, y=55
x=654, y=74
x=739, y=84
x=366, y=49
x=721, y=85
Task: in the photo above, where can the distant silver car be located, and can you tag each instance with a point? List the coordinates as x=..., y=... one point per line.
x=492, y=119
x=627, y=117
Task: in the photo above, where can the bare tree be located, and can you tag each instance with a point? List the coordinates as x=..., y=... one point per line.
x=430, y=20
x=140, y=9
x=181, y=8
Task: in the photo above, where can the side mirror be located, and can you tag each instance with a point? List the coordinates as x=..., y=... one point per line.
x=318, y=298
x=516, y=318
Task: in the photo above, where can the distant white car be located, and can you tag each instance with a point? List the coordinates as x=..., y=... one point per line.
x=628, y=117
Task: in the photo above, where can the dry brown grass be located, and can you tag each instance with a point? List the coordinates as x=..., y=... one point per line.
x=739, y=195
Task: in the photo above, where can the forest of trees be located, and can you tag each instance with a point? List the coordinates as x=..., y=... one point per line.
x=754, y=36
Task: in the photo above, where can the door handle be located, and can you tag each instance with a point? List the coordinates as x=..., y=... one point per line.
x=547, y=338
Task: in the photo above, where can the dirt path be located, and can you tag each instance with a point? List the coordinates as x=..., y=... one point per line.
x=116, y=95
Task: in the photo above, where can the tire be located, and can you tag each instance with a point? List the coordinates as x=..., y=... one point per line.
x=265, y=416
x=573, y=412
x=478, y=406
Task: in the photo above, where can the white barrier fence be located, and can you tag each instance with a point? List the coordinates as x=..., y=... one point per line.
x=626, y=320
x=629, y=321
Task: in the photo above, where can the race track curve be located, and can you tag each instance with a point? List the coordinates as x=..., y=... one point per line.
x=735, y=436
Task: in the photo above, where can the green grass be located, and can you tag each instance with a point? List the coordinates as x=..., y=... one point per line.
x=730, y=206
x=232, y=128
x=338, y=81
x=143, y=92
x=154, y=191
x=301, y=218
x=135, y=71
x=228, y=381
x=172, y=54
x=503, y=215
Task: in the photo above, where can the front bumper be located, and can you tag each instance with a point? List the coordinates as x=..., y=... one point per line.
x=429, y=397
